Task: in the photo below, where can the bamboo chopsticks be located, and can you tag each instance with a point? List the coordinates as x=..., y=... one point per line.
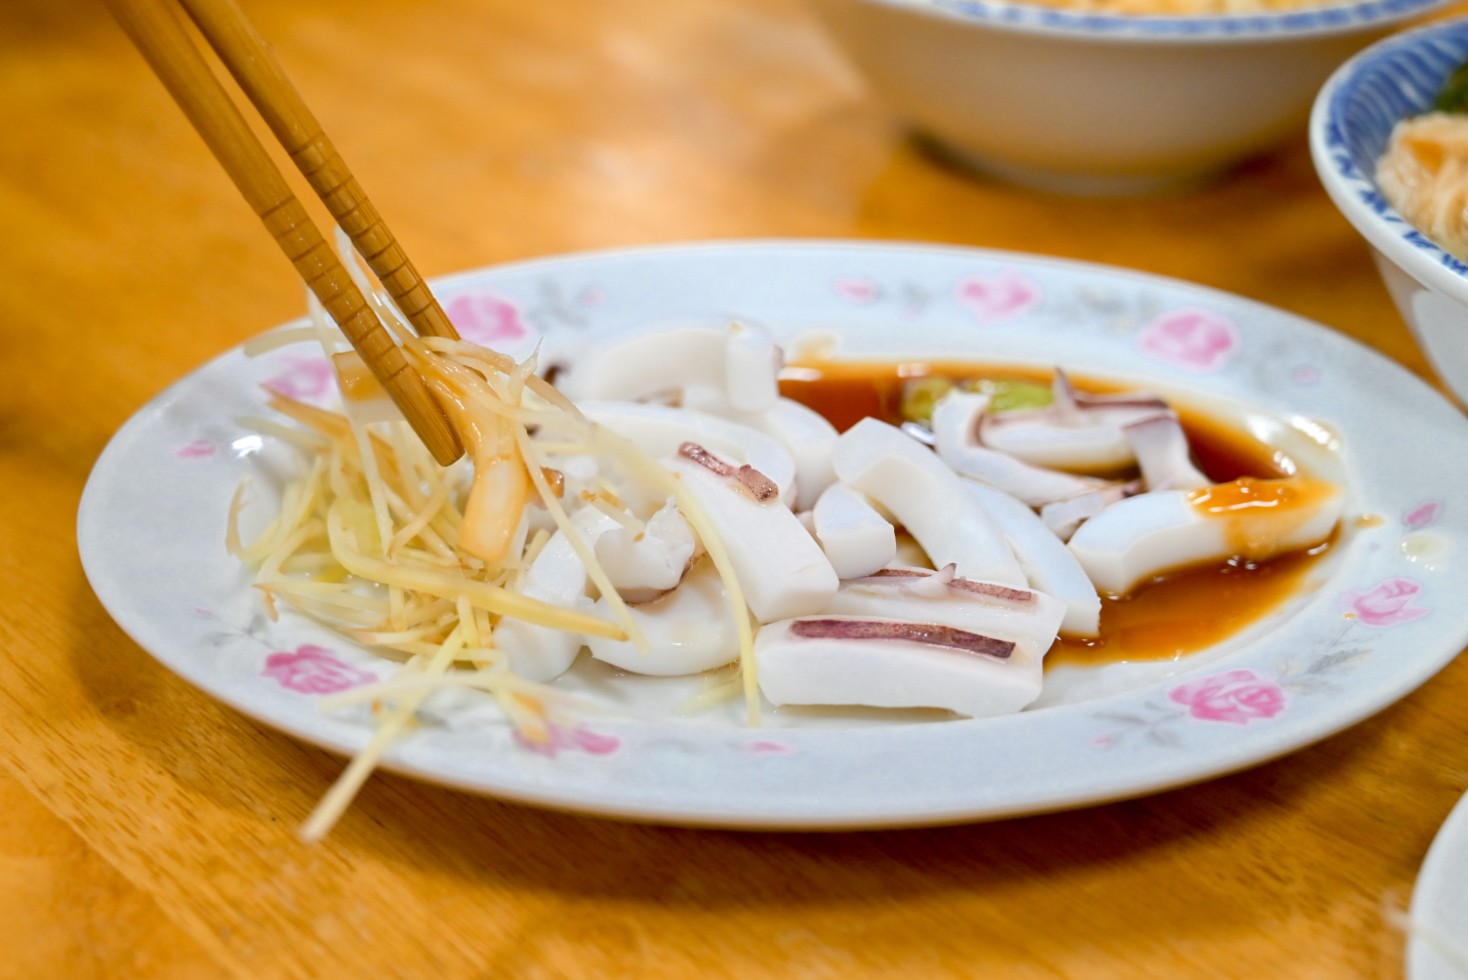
x=158, y=31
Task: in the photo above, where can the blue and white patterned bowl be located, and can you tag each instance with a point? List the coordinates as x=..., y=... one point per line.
x=1352, y=120
x=1086, y=103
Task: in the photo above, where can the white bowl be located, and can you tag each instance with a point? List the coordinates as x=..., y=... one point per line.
x=1349, y=127
x=1101, y=104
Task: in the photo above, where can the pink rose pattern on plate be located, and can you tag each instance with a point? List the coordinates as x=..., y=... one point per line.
x=765, y=746
x=1423, y=515
x=1236, y=697
x=559, y=737
x=1386, y=604
x=910, y=298
x=1242, y=696
x=486, y=318
x=304, y=378
x=1192, y=339
x=857, y=289
x=991, y=297
x=1305, y=374
x=1003, y=295
x=311, y=669
x=315, y=670
x=197, y=449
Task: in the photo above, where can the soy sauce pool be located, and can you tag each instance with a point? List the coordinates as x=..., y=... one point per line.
x=1170, y=617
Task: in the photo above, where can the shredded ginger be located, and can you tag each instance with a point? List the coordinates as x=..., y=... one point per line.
x=419, y=562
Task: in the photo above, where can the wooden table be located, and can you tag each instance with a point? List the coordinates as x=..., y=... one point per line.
x=147, y=831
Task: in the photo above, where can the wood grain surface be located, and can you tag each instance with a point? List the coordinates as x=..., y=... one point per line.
x=147, y=831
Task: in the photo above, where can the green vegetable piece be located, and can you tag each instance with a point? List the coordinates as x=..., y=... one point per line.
x=1010, y=396
x=919, y=395
x=1454, y=94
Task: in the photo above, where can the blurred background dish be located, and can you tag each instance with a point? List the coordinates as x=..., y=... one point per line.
x=1349, y=130
x=1087, y=102
x=1440, y=903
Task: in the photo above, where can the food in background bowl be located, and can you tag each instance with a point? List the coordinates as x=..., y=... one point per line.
x=1424, y=171
x=1351, y=131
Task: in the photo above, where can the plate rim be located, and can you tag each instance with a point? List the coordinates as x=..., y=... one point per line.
x=1184, y=772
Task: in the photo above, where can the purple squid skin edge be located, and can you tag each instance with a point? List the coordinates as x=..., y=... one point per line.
x=751, y=480
x=925, y=634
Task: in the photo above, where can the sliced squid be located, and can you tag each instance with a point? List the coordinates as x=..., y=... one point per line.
x=1062, y=517
x=1048, y=565
x=1077, y=431
x=1141, y=537
x=781, y=569
x=659, y=430
x=650, y=365
x=688, y=630
x=1029, y=619
x=855, y=536
x=927, y=498
x=1163, y=454
x=740, y=360
x=556, y=575
x=884, y=663
x=808, y=437
x=646, y=562
x=804, y=432
x=752, y=362
x=914, y=638
x=957, y=418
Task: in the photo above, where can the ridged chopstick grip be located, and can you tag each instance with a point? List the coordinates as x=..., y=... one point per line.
x=160, y=34
x=253, y=65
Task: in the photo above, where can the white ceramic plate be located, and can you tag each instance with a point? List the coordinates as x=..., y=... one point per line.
x=1382, y=615
x=1439, y=946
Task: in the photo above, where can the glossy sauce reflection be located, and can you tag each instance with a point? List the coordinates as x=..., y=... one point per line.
x=1170, y=617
